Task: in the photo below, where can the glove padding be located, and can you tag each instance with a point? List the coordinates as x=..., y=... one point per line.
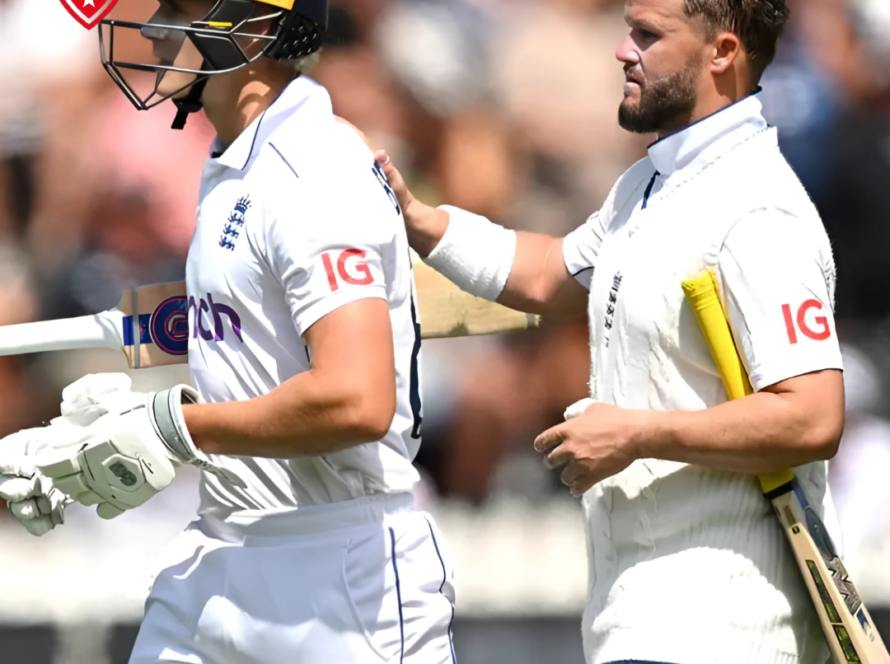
x=35, y=502
x=91, y=397
x=132, y=451
x=31, y=497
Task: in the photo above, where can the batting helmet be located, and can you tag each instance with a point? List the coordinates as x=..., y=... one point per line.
x=297, y=29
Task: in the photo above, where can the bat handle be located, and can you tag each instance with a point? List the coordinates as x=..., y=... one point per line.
x=103, y=330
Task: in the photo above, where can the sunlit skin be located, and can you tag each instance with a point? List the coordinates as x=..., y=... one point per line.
x=663, y=41
x=170, y=47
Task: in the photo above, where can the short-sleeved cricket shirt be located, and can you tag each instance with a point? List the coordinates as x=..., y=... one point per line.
x=689, y=564
x=295, y=221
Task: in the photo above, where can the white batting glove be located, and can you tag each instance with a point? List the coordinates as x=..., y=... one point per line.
x=131, y=453
x=31, y=497
x=35, y=502
x=577, y=409
x=86, y=400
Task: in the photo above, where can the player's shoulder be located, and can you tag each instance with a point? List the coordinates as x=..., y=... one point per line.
x=781, y=233
x=318, y=176
x=762, y=177
x=314, y=148
x=311, y=157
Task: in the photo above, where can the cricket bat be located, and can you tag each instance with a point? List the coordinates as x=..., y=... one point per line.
x=845, y=621
x=151, y=323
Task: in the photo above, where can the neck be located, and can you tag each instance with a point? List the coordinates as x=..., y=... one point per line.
x=233, y=101
x=700, y=112
x=714, y=96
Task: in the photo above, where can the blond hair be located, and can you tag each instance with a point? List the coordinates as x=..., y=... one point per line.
x=303, y=65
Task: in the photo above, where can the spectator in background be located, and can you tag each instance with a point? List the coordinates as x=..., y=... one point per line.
x=44, y=73
x=859, y=472
x=138, y=213
x=53, y=61
x=830, y=96
x=856, y=199
x=559, y=96
x=18, y=304
x=799, y=94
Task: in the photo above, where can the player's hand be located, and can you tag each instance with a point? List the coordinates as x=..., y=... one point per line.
x=593, y=445
x=31, y=498
x=131, y=453
x=425, y=224
x=34, y=502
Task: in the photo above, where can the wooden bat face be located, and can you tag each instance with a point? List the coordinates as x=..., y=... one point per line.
x=158, y=316
x=845, y=621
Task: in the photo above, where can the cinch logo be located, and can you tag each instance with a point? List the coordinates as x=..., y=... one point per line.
x=216, y=312
x=89, y=12
x=822, y=331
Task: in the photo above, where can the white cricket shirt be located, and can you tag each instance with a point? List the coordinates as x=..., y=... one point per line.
x=295, y=221
x=689, y=565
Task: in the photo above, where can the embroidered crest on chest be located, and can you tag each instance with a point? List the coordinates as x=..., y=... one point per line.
x=234, y=225
x=611, y=306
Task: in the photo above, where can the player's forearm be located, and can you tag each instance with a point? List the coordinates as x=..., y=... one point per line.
x=760, y=434
x=539, y=282
x=306, y=416
x=523, y=271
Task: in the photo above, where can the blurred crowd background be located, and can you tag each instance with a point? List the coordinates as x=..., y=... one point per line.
x=505, y=107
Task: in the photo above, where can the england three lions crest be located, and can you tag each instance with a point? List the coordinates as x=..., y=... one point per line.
x=235, y=224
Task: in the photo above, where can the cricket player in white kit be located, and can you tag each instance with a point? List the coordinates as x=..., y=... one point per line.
x=687, y=562
x=304, y=355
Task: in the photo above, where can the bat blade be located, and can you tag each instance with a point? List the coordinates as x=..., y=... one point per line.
x=447, y=311
x=151, y=323
x=846, y=624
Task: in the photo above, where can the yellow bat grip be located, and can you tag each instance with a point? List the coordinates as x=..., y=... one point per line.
x=701, y=293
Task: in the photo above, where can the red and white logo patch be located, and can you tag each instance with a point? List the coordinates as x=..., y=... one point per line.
x=89, y=12
x=351, y=268
x=811, y=325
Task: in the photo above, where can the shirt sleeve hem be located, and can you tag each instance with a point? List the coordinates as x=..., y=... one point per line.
x=574, y=262
x=761, y=380
x=319, y=310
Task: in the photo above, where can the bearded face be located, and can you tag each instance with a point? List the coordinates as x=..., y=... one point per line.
x=650, y=105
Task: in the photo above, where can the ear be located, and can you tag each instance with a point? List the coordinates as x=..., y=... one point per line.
x=727, y=48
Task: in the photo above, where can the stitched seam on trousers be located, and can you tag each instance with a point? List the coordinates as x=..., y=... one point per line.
x=444, y=579
x=395, y=568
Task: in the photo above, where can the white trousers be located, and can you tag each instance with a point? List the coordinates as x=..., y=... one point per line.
x=366, y=580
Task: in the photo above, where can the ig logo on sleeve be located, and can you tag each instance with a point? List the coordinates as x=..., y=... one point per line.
x=812, y=327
